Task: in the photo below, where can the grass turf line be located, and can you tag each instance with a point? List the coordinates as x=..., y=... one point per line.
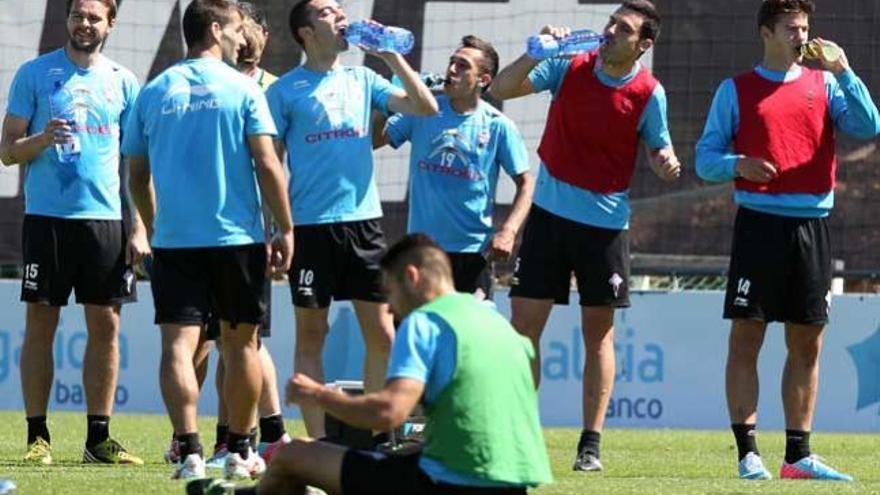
x=636, y=461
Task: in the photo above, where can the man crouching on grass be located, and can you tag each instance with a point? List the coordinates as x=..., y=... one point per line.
x=467, y=364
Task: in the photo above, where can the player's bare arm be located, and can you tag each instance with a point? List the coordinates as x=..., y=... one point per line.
x=513, y=80
x=756, y=170
x=416, y=98
x=505, y=237
x=17, y=147
x=274, y=189
x=380, y=411
x=665, y=164
x=142, y=192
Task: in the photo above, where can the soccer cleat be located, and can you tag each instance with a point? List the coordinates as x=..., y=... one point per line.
x=267, y=450
x=210, y=486
x=218, y=460
x=39, y=452
x=586, y=462
x=109, y=452
x=811, y=468
x=193, y=467
x=172, y=455
x=751, y=467
x=237, y=468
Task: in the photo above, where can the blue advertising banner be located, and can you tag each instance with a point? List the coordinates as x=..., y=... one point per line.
x=671, y=350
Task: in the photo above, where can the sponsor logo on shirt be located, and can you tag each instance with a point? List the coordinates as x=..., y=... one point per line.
x=451, y=149
x=348, y=133
x=184, y=98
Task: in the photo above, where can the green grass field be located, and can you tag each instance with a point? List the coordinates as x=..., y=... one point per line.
x=637, y=461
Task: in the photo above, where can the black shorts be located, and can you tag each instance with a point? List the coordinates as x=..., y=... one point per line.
x=373, y=473
x=780, y=269
x=471, y=271
x=212, y=328
x=337, y=261
x=87, y=256
x=191, y=284
x=553, y=247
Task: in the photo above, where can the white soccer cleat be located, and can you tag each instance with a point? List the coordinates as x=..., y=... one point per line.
x=237, y=468
x=193, y=467
x=751, y=467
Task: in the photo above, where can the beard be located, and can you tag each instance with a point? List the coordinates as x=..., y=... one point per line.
x=90, y=47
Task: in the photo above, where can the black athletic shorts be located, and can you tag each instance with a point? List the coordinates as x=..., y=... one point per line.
x=373, y=473
x=470, y=272
x=780, y=269
x=212, y=330
x=191, y=284
x=553, y=247
x=86, y=256
x=337, y=261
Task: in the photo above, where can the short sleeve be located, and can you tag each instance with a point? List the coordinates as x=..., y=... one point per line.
x=512, y=153
x=22, y=95
x=275, y=102
x=399, y=129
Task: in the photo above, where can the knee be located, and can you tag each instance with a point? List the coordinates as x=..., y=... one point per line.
x=42, y=321
x=744, y=352
x=745, y=347
x=805, y=353
x=290, y=456
x=310, y=341
x=240, y=337
x=599, y=340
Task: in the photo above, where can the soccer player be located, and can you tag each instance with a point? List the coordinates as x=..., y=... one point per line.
x=771, y=130
x=74, y=237
x=256, y=36
x=469, y=366
x=454, y=167
x=322, y=110
x=604, y=102
x=201, y=134
x=271, y=422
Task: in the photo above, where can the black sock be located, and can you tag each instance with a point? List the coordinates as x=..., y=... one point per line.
x=797, y=445
x=189, y=443
x=252, y=438
x=745, y=439
x=271, y=428
x=239, y=444
x=98, y=429
x=222, y=435
x=37, y=428
x=589, y=442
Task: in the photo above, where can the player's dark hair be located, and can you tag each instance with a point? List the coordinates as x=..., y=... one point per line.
x=299, y=18
x=489, y=63
x=111, y=7
x=248, y=9
x=417, y=250
x=771, y=10
x=200, y=14
x=651, y=23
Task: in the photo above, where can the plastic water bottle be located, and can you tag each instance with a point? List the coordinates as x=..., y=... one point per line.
x=7, y=486
x=541, y=46
x=61, y=105
x=433, y=81
x=379, y=37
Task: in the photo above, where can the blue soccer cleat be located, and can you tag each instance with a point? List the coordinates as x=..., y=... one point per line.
x=811, y=468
